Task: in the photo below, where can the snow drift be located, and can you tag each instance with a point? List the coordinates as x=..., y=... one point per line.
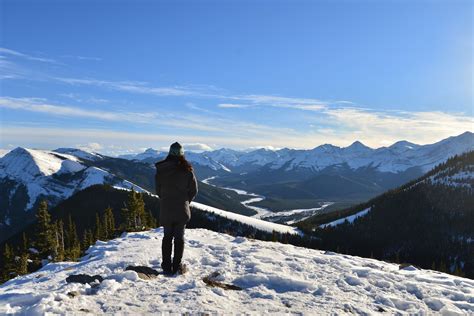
x=275, y=278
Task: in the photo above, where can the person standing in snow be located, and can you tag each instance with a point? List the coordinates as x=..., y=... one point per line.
x=176, y=186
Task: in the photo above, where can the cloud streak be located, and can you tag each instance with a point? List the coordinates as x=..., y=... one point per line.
x=306, y=104
x=40, y=106
x=6, y=51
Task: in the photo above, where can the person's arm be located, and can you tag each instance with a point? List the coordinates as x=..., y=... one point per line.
x=157, y=184
x=192, y=187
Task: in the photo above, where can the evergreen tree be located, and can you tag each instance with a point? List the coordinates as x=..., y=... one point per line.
x=99, y=233
x=59, y=232
x=24, y=243
x=9, y=270
x=108, y=223
x=22, y=263
x=45, y=231
x=72, y=244
x=150, y=220
x=87, y=239
x=134, y=212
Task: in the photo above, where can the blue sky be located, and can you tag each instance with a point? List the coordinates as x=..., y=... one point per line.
x=120, y=76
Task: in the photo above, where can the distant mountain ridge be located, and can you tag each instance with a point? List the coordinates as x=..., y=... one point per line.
x=326, y=173
x=396, y=158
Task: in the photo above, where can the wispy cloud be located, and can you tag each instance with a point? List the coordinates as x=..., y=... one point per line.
x=380, y=128
x=306, y=104
x=11, y=52
x=135, y=87
x=233, y=106
x=83, y=99
x=87, y=58
x=42, y=106
x=183, y=121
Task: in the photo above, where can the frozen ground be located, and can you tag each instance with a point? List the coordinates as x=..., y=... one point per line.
x=275, y=278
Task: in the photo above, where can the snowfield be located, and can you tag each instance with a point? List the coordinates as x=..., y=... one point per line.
x=254, y=222
x=275, y=279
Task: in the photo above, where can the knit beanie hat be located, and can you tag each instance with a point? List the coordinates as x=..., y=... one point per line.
x=176, y=150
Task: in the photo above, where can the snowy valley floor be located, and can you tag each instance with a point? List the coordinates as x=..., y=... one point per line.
x=275, y=278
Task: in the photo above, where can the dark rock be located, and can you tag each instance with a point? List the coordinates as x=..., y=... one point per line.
x=145, y=273
x=210, y=281
x=407, y=266
x=83, y=278
x=73, y=294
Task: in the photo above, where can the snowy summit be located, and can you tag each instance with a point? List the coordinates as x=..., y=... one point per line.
x=265, y=277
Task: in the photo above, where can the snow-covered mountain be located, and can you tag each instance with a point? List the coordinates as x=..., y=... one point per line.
x=152, y=156
x=398, y=157
x=274, y=279
x=29, y=175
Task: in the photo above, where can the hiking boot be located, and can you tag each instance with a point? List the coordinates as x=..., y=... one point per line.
x=180, y=269
x=166, y=268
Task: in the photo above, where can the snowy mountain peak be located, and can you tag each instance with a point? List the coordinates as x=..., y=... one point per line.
x=27, y=163
x=79, y=153
x=403, y=145
x=358, y=146
x=41, y=174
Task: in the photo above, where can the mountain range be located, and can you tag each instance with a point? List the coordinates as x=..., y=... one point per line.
x=28, y=176
x=295, y=182
x=292, y=179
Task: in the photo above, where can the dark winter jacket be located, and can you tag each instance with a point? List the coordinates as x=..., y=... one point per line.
x=176, y=188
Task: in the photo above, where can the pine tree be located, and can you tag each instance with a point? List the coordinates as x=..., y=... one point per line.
x=111, y=222
x=59, y=241
x=45, y=242
x=108, y=223
x=72, y=244
x=134, y=212
x=8, y=263
x=98, y=229
x=150, y=220
x=22, y=264
x=24, y=243
x=87, y=239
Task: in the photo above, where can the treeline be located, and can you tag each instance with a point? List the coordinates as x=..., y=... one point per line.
x=53, y=240
x=423, y=223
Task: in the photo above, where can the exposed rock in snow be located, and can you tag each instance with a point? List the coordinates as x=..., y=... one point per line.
x=275, y=279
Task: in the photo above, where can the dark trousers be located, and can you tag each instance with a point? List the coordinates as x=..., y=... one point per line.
x=176, y=232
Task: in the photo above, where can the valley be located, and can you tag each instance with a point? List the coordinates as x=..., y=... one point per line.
x=280, y=216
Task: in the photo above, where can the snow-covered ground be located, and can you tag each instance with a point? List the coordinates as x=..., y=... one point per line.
x=275, y=279
x=254, y=222
x=350, y=218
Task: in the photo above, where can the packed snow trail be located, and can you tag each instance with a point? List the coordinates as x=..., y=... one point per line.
x=276, y=278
